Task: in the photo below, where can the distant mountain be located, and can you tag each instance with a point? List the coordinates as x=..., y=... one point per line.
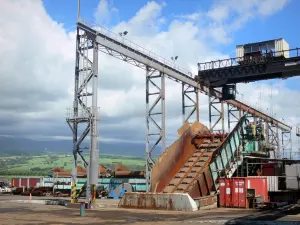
x=22, y=146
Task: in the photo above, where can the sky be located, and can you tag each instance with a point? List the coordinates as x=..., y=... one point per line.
x=38, y=54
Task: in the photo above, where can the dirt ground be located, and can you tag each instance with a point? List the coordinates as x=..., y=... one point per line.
x=22, y=213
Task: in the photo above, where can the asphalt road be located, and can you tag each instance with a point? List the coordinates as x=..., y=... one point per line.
x=21, y=213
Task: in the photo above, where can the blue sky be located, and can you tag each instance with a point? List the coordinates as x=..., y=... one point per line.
x=195, y=30
x=283, y=24
x=280, y=25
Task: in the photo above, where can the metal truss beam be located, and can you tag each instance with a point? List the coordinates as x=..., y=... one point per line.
x=155, y=118
x=85, y=110
x=123, y=49
x=273, y=138
x=190, y=103
x=216, y=114
x=282, y=64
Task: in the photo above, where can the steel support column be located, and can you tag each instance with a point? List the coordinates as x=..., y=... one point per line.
x=94, y=151
x=216, y=110
x=155, y=133
x=190, y=99
x=286, y=143
x=234, y=114
x=82, y=118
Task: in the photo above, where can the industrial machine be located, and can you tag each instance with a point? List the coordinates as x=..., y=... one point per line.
x=254, y=61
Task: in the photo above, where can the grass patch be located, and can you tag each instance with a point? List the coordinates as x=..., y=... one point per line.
x=42, y=165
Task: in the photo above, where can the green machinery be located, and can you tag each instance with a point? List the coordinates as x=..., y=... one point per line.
x=254, y=142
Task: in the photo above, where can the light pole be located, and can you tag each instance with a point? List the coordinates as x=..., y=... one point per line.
x=174, y=58
x=124, y=33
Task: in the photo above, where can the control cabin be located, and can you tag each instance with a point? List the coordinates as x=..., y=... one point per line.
x=262, y=51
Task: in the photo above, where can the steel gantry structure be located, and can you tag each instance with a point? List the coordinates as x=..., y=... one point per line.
x=96, y=38
x=269, y=65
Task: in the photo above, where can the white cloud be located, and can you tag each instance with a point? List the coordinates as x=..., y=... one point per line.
x=102, y=12
x=37, y=67
x=193, y=16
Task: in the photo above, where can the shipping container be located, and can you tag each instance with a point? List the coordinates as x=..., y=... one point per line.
x=281, y=48
x=25, y=182
x=15, y=182
x=233, y=191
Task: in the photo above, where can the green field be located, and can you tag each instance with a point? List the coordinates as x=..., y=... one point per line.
x=42, y=165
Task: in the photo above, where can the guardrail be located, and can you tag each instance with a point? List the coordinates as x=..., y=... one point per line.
x=295, y=52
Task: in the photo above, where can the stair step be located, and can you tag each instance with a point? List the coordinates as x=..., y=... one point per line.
x=187, y=180
x=184, y=169
x=168, y=189
x=179, y=175
x=204, y=159
x=191, y=175
x=174, y=181
x=182, y=187
x=208, y=154
x=199, y=164
x=188, y=164
x=192, y=159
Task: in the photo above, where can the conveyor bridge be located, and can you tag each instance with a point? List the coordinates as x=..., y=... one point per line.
x=244, y=69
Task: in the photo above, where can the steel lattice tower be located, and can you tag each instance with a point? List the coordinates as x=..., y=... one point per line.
x=85, y=110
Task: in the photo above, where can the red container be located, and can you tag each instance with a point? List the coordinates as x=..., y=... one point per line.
x=15, y=182
x=260, y=184
x=23, y=182
x=239, y=194
x=233, y=191
x=32, y=182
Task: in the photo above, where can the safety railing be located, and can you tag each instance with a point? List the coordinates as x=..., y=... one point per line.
x=295, y=52
x=121, y=39
x=80, y=114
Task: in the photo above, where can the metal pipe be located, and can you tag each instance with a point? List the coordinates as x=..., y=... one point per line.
x=78, y=10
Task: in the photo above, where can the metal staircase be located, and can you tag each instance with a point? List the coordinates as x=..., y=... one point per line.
x=189, y=173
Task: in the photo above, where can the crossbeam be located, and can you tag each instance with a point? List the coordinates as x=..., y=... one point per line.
x=119, y=47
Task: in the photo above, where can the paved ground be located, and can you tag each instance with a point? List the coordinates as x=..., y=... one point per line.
x=21, y=213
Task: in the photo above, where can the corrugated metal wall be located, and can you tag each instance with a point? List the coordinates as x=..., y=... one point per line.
x=293, y=173
x=281, y=45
